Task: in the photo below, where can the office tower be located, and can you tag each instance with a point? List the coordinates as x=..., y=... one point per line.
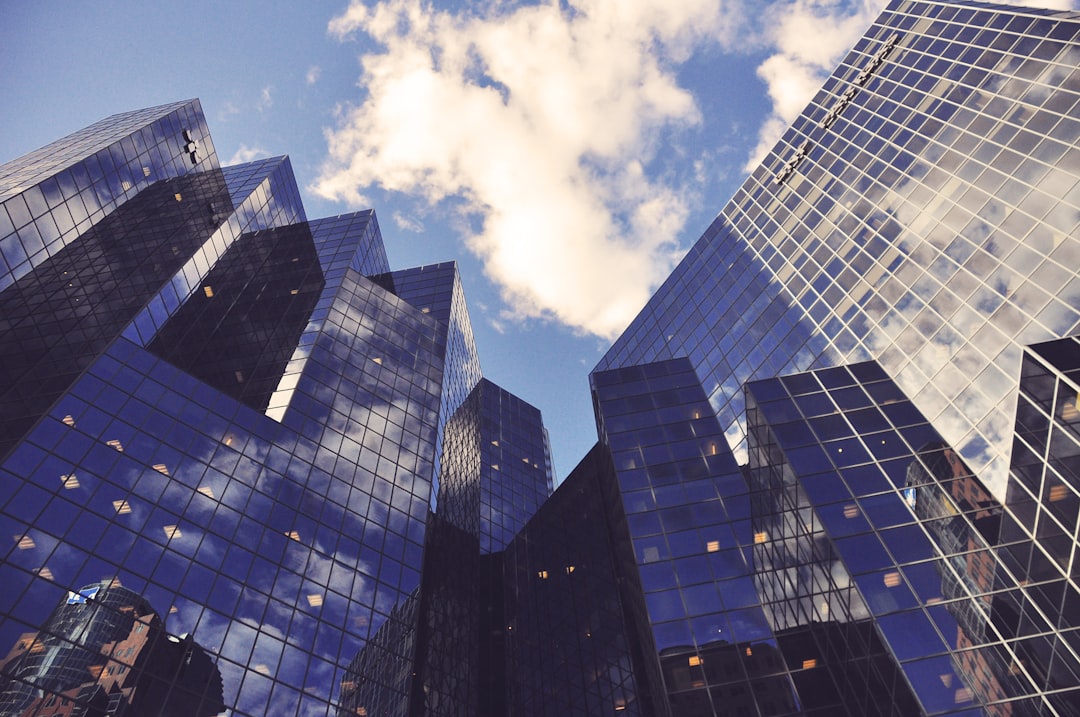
x=857, y=317
x=837, y=462
x=222, y=431
x=921, y=212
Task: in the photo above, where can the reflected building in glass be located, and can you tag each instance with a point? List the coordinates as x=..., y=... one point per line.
x=857, y=318
x=247, y=468
x=223, y=425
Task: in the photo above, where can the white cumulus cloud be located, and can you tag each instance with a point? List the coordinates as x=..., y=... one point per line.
x=542, y=122
x=809, y=38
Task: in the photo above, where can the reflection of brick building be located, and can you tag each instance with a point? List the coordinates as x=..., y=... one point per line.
x=104, y=651
x=965, y=521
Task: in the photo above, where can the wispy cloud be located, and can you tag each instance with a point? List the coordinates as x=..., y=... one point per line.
x=407, y=223
x=313, y=74
x=266, y=98
x=247, y=154
x=543, y=121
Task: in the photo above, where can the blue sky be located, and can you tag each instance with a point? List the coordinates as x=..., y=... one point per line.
x=565, y=154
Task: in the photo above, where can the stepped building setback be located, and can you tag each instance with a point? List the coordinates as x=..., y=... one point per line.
x=248, y=468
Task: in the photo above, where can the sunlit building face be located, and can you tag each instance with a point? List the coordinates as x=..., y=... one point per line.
x=923, y=211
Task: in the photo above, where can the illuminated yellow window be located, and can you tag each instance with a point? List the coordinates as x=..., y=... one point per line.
x=294, y=292
x=851, y=511
x=569, y=569
x=293, y=535
x=809, y=664
x=1058, y=492
x=25, y=542
x=377, y=360
x=749, y=652
x=542, y=574
x=209, y=291
x=69, y=481
x=262, y=669
x=122, y=507
x=178, y=197
x=115, y=444
x=207, y=491
x=761, y=537
x=315, y=600
x=694, y=660
x=172, y=531
x=712, y=546
x=69, y=420
x=161, y=468
x=892, y=579
x=1069, y=409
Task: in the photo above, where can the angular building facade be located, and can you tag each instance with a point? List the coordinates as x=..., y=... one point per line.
x=222, y=431
x=858, y=317
x=247, y=468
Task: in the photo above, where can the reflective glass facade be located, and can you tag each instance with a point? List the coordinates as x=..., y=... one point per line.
x=222, y=430
x=248, y=468
x=922, y=211
x=901, y=491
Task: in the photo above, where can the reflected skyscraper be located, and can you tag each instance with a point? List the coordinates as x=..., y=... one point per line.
x=233, y=417
x=837, y=470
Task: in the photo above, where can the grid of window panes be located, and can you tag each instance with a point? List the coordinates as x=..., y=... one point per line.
x=54, y=194
x=515, y=465
x=569, y=649
x=483, y=451
x=851, y=472
x=59, y=316
x=108, y=641
x=273, y=201
x=436, y=290
x=688, y=512
x=279, y=553
x=922, y=210
x=57, y=319
x=349, y=241
x=1039, y=524
x=239, y=330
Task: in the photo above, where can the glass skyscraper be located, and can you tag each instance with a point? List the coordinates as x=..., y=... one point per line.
x=222, y=431
x=247, y=468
